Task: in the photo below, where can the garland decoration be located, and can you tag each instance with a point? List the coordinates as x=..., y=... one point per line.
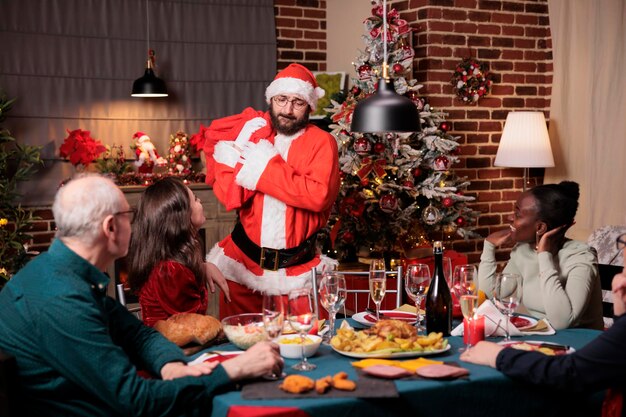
x=471, y=80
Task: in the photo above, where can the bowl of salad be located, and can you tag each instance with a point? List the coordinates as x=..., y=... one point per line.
x=244, y=330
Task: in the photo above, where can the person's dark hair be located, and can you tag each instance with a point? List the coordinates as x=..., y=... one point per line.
x=557, y=203
x=162, y=230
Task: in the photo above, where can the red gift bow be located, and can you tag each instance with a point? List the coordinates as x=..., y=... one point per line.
x=369, y=165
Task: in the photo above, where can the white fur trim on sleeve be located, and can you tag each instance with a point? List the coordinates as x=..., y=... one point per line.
x=256, y=156
x=226, y=154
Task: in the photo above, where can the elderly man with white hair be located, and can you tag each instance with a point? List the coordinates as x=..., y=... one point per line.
x=78, y=350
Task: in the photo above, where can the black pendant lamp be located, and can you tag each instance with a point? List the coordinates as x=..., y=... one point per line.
x=385, y=110
x=149, y=85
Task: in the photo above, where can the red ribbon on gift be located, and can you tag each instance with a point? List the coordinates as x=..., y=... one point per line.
x=369, y=164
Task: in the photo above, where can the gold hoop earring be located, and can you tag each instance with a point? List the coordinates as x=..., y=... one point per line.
x=537, y=240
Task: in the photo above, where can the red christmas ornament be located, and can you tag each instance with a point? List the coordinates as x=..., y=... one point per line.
x=348, y=237
x=342, y=174
x=398, y=68
x=408, y=183
x=379, y=147
x=365, y=182
x=416, y=172
x=388, y=203
x=441, y=163
x=355, y=90
x=344, y=132
x=364, y=71
x=412, y=94
x=362, y=146
x=447, y=202
x=460, y=221
x=444, y=126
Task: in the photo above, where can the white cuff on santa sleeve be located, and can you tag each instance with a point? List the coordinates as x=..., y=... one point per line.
x=256, y=157
x=226, y=154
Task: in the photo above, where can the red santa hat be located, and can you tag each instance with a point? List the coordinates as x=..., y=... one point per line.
x=295, y=79
x=140, y=137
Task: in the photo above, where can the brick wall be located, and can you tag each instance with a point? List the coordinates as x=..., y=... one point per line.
x=512, y=36
x=301, y=33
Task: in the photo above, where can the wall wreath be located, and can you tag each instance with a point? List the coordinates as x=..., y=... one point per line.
x=471, y=80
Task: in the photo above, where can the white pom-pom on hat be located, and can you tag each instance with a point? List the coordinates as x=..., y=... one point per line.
x=298, y=80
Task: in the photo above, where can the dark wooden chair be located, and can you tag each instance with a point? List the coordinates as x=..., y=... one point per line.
x=607, y=272
x=8, y=385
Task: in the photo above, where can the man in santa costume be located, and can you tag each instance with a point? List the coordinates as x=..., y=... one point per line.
x=282, y=175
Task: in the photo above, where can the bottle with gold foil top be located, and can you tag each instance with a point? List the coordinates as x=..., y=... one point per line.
x=438, y=298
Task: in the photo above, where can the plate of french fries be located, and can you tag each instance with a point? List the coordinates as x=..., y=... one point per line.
x=387, y=339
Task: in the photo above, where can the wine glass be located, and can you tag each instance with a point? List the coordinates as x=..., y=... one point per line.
x=456, y=277
x=416, y=282
x=332, y=293
x=467, y=291
x=273, y=319
x=507, y=296
x=302, y=319
x=377, y=282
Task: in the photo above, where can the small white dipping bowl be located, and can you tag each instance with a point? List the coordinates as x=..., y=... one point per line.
x=294, y=350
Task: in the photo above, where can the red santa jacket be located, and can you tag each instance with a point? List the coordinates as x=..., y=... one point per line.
x=289, y=184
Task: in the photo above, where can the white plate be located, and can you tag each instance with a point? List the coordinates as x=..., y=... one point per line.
x=535, y=343
x=382, y=354
x=533, y=322
x=369, y=319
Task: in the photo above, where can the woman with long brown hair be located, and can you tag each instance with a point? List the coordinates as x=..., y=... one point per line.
x=166, y=267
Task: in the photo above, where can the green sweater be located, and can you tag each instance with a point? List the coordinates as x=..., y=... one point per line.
x=565, y=290
x=78, y=350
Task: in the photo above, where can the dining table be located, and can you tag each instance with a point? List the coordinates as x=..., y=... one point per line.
x=484, y=392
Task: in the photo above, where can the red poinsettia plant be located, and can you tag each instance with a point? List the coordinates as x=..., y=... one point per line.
x=80, y=148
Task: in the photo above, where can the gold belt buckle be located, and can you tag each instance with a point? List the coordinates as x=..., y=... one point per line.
x=262, y=260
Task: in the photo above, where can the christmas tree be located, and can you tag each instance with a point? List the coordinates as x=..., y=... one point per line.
x=398, y=191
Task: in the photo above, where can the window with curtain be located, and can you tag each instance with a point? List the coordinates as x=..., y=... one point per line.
x=587, y=123
x=71, y=64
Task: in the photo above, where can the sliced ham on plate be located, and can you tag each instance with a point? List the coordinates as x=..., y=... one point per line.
x=442, y=371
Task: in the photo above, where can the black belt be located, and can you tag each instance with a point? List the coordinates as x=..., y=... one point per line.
x=274, y=259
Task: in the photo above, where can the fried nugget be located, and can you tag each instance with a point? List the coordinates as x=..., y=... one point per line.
x=297, y=384
x=341, y=382
x=323, y=384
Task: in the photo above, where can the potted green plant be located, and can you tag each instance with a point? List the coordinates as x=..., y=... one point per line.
x=17, y=163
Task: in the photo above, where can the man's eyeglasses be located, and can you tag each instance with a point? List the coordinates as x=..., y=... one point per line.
x=298, y=104
x=132, y=212
x=620, y=242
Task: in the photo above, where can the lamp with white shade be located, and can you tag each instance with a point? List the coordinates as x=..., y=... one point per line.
x=525, y=143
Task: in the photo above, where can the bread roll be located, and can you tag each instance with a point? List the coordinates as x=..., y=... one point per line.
x=186, y=328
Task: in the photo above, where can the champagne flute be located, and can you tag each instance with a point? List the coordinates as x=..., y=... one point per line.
x=378, y=283
x=508, y=295
x=468, y=298
x=273, y=319
x=416, y=282
x=302, y=319
x=332, y=292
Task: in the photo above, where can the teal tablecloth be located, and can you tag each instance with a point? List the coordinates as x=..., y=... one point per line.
x=487, y=392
